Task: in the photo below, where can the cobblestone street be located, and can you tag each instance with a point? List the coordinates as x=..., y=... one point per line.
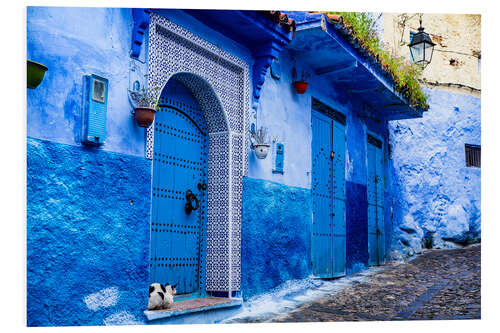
x=439, y=284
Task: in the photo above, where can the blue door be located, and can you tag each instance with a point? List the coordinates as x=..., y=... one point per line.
x=375, y=189
x=179, y=186
x=328, y=193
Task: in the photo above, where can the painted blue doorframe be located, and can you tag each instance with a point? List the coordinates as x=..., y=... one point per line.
x=375, y=193
x=179, y=166
x=328, y=192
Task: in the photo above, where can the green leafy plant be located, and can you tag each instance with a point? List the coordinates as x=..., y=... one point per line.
x=404, y=73
x=146, y=97
x=259, y=137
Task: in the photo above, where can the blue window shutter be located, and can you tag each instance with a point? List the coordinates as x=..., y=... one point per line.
x=95, y=110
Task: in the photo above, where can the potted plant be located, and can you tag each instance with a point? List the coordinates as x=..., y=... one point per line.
x=144, y=105
x=301, y=85
x=35, y=74
x=259, y=143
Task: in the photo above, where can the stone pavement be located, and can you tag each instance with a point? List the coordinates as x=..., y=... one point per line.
x=439, y=284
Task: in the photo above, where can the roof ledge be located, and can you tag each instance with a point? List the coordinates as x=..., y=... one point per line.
x=332, y=25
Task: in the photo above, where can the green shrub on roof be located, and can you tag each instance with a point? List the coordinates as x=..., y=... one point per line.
x=404, y=73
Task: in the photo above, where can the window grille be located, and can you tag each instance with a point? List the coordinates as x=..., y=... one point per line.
x=472, y=156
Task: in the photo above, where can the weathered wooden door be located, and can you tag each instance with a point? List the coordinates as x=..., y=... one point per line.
x=328, y=193
x=375, y=189
x=179, y=167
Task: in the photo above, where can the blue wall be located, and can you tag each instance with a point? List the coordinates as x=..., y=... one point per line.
x=356, y=227
x=288, y=118
x=56, y=38
x=88, y=215
x=276, y=235
x=436, y=194
x=276, y=208
x=287, y=115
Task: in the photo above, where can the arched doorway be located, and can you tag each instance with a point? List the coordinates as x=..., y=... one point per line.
x=220, y=83
x=179, y=190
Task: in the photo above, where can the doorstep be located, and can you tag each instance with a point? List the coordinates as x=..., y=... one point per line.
x=193, y=306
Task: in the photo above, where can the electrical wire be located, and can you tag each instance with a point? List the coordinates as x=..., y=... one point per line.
x=449, y=84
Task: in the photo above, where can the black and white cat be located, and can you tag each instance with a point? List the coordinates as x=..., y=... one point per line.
x=161, y=296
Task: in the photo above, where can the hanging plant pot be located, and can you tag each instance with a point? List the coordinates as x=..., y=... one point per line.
x=300, y=86
x=261, y=150
x=35, y=74
x=144, y=116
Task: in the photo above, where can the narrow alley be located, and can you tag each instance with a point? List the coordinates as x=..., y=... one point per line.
x=439, y=284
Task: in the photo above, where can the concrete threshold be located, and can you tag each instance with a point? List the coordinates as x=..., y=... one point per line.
x=195, y=310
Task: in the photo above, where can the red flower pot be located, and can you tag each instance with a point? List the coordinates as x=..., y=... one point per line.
x=144, y=116
x=300, y=86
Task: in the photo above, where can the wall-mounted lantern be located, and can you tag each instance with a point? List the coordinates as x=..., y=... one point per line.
x=258, y=142
x=421, y=47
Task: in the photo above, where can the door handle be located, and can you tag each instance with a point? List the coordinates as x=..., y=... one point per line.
x=188, y=207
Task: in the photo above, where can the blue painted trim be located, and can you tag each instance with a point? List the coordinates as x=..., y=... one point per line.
x=141, y=23
x=155, y=315
x=266, y=52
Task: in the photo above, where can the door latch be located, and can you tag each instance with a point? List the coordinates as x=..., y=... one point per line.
x=188, y=207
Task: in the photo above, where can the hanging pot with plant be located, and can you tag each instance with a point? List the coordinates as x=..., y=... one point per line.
x=145, y=105
x=35, y=74
x=301, y=85
x=259, y=143
x=144, y=116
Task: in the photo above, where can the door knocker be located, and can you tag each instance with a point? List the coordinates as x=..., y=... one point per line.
x=188, y=207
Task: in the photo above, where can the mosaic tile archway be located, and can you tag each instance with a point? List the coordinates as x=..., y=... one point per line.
x=220, y=83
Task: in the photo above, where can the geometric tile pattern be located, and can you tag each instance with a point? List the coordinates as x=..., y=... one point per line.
x=220, y=83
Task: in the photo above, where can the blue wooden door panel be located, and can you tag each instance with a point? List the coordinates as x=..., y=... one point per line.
x=328, y=191
x=339, y=234
x=321, y=187
x=372, y=234
x=370, y=186
x=372, y=249
x=339, y=160
x=339, y=238
x=380, y=206
x=380, y=177
x=375, y=192
x=179, y=164
x=380, y=236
